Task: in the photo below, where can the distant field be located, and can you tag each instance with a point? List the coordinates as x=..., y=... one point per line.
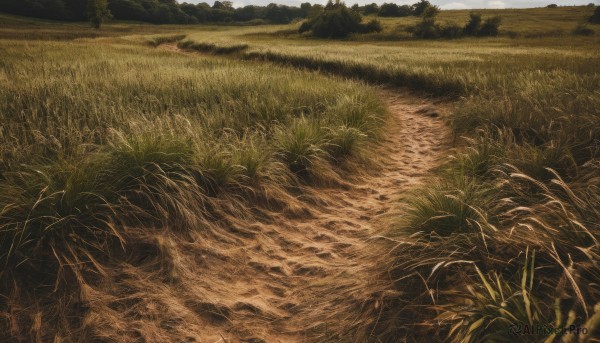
x=23, y=28
x=531, y=22
x=104, y=128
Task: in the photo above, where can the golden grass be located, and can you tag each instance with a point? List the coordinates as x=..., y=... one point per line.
x=103, y=139
x=206, y=128
x=528, y=104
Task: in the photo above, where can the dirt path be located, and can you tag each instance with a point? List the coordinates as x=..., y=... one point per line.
x=297, y=278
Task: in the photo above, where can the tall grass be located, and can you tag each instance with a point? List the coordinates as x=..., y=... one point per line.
x=127, y=134
x=100, y=139
x=527, y=119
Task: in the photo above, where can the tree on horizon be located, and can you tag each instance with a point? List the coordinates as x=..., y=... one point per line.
x=98, y=12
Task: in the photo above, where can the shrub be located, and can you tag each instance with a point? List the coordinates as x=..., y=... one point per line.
x=552, y=6
x=371, y=9
x=393, y=10
x=512, y=34
x=388, y=10
x=451, y=31
x=595, y=18
x=427, y=28
x=305, y=26
x=583, y=30
x=98, y=12
x=338, y=21
x=490, y=27
x=372, y=26
x=158, y=40
x=212, y=48
x=474, y=24
x=421, y=7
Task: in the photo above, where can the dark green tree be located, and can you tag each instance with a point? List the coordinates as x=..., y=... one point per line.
x=427, y=28
x=389, y=10
x=370, y=9
x=98, y=12
x=338, y=21
x=420, y=7
x=490, y=27
x=306, y=7
x=474, y=25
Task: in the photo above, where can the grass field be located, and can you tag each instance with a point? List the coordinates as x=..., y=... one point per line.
x=128, y=135
x=100, y=136
x=528, y=23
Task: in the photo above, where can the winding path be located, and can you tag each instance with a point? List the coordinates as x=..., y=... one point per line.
x=294, y=278
x=305, y=276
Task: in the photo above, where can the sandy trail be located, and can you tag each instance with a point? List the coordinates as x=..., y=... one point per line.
x=298, y=278
x=295, y=278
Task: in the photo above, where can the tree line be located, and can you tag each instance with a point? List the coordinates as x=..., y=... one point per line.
x=394, y=10
x=172, y=12
x=160, y=11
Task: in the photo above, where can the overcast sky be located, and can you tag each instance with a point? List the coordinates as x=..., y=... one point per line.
x=444, y=4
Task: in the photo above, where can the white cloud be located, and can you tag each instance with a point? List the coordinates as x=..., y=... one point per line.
x=496, y=4
x=454, y=6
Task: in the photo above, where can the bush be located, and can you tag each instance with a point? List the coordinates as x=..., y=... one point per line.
x=552, y=6
x=490, y=27
x=427, y=28
x=583, y=30
x=388, y=10
x=512, y=34
x=393, y=10
x=212, y=48
x=371, y=9
x=595, y=18
x=305, y=26
x=372, y=26
x=451, y=31
x=475, y=27
x=474, y=24
x=421, y=7
x=338, y=21
x=158, y=40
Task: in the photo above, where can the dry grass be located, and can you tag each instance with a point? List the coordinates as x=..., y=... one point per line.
x=506, y=233
x=116, y=157
x=528, y=111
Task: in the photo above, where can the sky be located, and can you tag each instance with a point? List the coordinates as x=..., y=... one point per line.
x=444, y=4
